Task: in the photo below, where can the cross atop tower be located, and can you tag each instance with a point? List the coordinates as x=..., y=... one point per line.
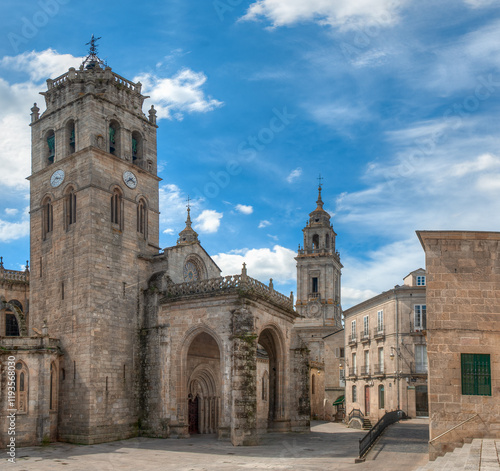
x=188, y=202
x=320, y=180
x=92, y=59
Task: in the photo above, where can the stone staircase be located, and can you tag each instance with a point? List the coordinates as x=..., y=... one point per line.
x=367, y=425
x=480, y=455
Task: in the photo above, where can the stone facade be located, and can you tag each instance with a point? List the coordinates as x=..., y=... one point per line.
x=134, y=340
x=463, y=292
x=385, y=357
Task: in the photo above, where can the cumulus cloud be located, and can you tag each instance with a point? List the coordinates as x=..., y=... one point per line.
x=41, y=65
x=344, y=14
x=293, y=175
x=183, y=93
x=277, y=263
x=208, y=221
x=169, y=231
x=10, y=231
x=11, y=211
x=244, y=209
x=380, y=270
x=263, y=224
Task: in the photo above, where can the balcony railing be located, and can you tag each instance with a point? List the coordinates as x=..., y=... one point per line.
x=352, y=340
x=417, y=329
x=379, y=369
x=352, y=371
x=365, y=370
x=364, y=335
x=379, y=333
x=314, y=296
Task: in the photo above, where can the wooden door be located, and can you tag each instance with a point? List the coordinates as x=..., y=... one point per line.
x=193, y=415
x=421, y=401
x=367, y=400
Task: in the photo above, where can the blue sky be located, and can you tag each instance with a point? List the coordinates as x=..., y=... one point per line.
x=395, y=103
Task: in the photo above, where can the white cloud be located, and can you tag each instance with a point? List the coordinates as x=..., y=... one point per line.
x=479, y=3
x=274, y=237
x=173, y=205
x=169, y=231
x=380, y=271
x=345, y=14
x=16, y=99
x=41, y=65
x=244, y=209
x=293, y=175
x=15, y=230
x=208, y=221
x=277, y=263
x=11, y=211
x=180, y=94
x=263, y=224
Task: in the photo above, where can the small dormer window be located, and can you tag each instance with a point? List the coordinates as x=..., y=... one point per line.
x=421, y=280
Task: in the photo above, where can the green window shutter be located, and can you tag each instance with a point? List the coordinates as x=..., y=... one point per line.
x=476, y=374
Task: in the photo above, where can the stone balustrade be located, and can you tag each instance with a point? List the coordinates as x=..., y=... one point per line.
x=14, y=275
x=229, y=284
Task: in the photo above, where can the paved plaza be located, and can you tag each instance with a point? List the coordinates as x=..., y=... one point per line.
x=329, y=446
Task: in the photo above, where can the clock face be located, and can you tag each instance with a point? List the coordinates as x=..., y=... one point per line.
x=191, y=272
x=314, y=310
x=57, y=178
x=130, y=179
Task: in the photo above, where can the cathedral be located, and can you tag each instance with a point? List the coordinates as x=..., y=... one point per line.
x=107, y=336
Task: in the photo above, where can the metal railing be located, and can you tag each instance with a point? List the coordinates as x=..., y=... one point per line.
x=352, y=339
x=379, y=369
x=367, y=441
x=365, y=370
x=364, y=335
x=352, y=371
x=355, y=413
x=378, y=333
x=453, y=428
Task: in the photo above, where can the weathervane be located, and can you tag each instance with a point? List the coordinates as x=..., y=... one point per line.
x=92, y=59
x=320, y=180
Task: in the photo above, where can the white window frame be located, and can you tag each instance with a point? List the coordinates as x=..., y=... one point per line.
x=353, y=364
x=421, y=281
x=366, y=326
x=380, y=354
x=380, y=320
x=419, y=312
x=366, y=356
x=353, y=329
x=420, y=358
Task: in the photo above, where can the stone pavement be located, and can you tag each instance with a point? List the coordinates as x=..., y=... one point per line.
x=329, y=446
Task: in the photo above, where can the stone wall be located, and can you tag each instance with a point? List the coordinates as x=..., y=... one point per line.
x=463, y=292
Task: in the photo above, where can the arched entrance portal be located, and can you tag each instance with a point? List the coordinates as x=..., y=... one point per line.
x=204, y=384
x=270, y=378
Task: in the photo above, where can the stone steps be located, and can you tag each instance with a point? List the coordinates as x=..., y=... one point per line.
x=480, y=455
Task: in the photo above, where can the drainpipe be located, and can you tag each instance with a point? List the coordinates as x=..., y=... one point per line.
x=397, y=345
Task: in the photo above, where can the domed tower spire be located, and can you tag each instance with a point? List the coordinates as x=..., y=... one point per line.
x=188, y=235
x=319, y=269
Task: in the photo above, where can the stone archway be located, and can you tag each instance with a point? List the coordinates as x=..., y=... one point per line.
x=270, y=343
x=203, y=384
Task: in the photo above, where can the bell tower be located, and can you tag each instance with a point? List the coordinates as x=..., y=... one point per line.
x=318, y=272
x=94, y=223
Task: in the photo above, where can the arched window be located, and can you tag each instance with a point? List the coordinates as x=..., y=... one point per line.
x=142, y=218
x=315, y=242
x=354, y=394
x=116, y=208
x=53, y=387
x=137, y=147
x=22, y=387
x=47, y=216
x=114, y=138
x=51, y=147
x=70, y=206
x=381, y=397
x=70, y=137
x=11, y=324
x=313, y=384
